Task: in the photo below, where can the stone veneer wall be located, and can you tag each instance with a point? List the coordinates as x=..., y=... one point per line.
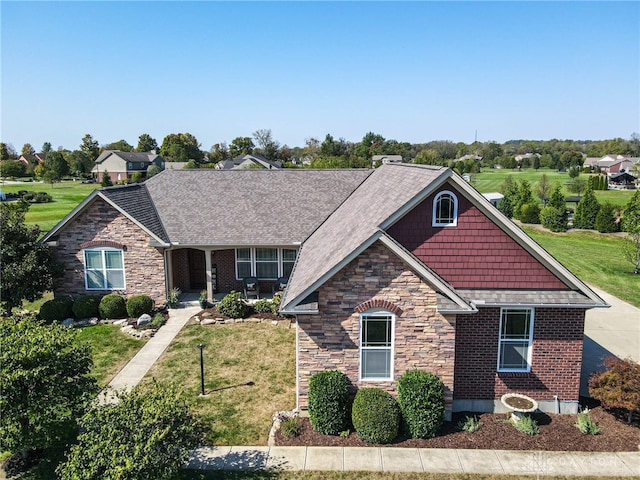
x=424, y=339
x=143, y=265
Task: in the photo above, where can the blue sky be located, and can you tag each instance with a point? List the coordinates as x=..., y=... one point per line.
x=414, y=71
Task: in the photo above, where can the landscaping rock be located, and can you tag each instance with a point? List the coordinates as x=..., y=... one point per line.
x=208, y=321
x=127, y=329
x=67, y=322
x=144, y=319
x=122, y=321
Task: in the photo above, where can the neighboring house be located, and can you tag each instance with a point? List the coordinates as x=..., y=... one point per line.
x=384, y=159
x=243, y=162
x=402, y=267
x=622, y=180
x=122, y=165
x=612, y=163
x=493, y=197
x=477, y=158
x=32, y=160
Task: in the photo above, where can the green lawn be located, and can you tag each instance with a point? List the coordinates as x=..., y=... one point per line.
x=66, y=196
x=595, y=258
x=234, y=412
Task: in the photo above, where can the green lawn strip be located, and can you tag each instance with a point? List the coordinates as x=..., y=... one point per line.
x=596, y=258
x=233, y=412
x=111, y=350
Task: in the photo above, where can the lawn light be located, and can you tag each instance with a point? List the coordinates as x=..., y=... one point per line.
x=201, y=347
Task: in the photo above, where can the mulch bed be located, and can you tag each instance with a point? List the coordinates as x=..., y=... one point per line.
x=557, y=433
x=214, y=313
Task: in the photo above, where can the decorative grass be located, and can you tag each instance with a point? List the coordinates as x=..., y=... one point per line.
x=249, y=372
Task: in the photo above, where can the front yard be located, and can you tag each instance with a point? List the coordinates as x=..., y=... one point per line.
x=249, y=372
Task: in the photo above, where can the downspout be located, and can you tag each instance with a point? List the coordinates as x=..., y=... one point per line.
x=555, y=397
x=297, y=368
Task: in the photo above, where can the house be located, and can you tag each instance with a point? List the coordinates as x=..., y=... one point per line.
x=401, y=267
x=622, y=180
x=247, y=161
x=493, y=197
x=384, y=159
x=122, y=165
x=33, y=160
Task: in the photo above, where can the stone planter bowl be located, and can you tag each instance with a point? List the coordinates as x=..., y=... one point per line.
x=519, y=404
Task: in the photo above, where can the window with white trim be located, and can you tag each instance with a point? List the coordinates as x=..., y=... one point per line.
x=264, y=263
x=516, y=338
x=445, y=210
x=376, y=345
x=104, y=269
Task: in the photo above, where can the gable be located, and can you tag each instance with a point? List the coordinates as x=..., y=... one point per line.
x=476, y=253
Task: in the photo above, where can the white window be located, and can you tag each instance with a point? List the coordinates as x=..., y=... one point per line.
x=445, y=210
x=264, y=263
x=103, y=269
x=516, y=337
x=376, y=345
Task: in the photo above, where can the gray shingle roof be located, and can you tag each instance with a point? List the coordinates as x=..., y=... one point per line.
x=526, y=297
x=128, y=156
x=135, y=200
x=248, y=207
x=390, y=188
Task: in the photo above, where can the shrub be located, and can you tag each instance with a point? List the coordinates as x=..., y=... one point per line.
x=233, y=306
x=112, y=306
x=42, y=197
x=585, y=423
x=275, y=304
x=328, y=402
x=530, y=213
x=56, y=310
x=290, y=427
x=606, y=219
x=421, y=399
x=158, y=320
x=139, y=304
x=86, y=306
x=527, y=425
x=262, y=306
x=376, y=415
x=469, y=424
x=555, y=219
x=506, y=206
x=618, y=386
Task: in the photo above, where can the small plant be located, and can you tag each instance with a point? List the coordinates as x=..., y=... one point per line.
x=173, y=299
x=275, y=304
x=86, y=306
x=290, y=427
x=158, y=320
x=233, y=306
x=262, y=306
x=586, y=424
x=202, y=299
x=112, y=306
x=139, y=304
x=527, y=425
x=469, y=424
x=376, y=415
x=328, y=402
x=345, y=433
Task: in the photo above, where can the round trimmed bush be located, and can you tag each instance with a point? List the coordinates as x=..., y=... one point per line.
x=329, y=402
x=86, y=306
x=375, y=415
x=233, y=306
x=262, y=306
x=112, y=306
x=56, y=310
x=421, y=399
x=530, y=213
x=138, y=305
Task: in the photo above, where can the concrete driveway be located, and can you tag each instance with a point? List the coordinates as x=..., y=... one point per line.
x=609, y=331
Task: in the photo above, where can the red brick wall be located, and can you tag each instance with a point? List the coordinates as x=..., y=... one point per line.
x=424, y=339
x=143, y=265
x=555, y=364
x=474, y=254
x=180, y=269
x=225, y=261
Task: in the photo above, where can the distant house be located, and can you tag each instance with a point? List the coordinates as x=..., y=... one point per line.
x=122, y=165
x=32, y=160
x=622, y=180
x=612, y=163
x=526, y=156
x=493, y=197
x=390, y=269
x=384, y=159
x=477, y=158
x=243, y=162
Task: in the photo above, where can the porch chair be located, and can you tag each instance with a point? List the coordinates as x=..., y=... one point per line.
x=250, y=287
x=280, y=284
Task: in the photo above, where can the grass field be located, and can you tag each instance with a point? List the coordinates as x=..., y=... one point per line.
x=234, y=412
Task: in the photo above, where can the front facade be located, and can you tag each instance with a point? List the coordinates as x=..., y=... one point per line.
x=121, y=166
x=389, y=270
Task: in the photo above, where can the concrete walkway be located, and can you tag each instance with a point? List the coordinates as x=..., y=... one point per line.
x=437, y=460
x=140, y=364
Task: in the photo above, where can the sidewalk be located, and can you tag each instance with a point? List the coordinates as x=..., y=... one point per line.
x=434, y=460
x=140, y=364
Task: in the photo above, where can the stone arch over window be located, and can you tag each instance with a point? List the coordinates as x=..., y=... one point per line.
x=445, y=210
x=379, y=303
x=103, y=243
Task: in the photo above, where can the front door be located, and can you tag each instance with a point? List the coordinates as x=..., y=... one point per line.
x=197, y=270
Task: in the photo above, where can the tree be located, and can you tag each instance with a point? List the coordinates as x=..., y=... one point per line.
x=7, y=152
x=45, y=381
x=146, y=435
x=370, y=145
x=218, y=152
x=46, y=147
x=554, y=215
x=106, y=180
x=574, y=171
x=606, y=219
x=27, y=268
x=536, y=162
x=153, y=170
x=55, y=167
x=578, y=185
x=571, y=159
x=79, y=162
x=90, y=147
x=121, y=145
x=27, y=149
x=267, y=145
x=12, y=168
x=618, y=386
x=181, y=147
x=146, y=143
x=506, y=207
x=241, y=146
x=524, y=197
x=631, y=225
x=543, y=188
x=586, y=210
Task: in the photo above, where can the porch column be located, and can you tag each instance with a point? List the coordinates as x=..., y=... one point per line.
x=207, y=262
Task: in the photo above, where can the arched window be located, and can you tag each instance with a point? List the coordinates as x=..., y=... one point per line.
x=376, y=345
x=445, y=210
